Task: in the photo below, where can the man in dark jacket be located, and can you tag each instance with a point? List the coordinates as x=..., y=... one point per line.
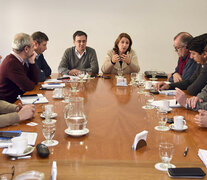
x=40, y=41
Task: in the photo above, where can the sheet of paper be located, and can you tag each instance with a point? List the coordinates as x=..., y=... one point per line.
x=172, y=103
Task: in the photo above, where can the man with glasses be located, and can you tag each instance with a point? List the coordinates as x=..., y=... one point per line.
x=18, y=72
x=198, y=80
x=79, y=58
x=186, y=65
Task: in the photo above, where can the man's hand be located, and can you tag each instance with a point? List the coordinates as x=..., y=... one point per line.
x=177, y=77
x=180, y=97
x=74, y=72
x=31, y=60
x=201, y=118
x=161, y=86
x=26, y=112
x=193, y=101
x=125, y=58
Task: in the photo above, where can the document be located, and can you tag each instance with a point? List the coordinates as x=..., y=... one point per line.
x=33, y=99
x=172, y=104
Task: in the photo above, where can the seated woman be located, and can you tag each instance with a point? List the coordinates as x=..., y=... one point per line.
x=121, y=57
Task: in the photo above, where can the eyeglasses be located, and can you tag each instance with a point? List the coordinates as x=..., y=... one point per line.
x=8, y=175
x=79, y=41
x=177, y=48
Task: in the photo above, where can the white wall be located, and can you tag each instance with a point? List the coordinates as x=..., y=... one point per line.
x=152, y=24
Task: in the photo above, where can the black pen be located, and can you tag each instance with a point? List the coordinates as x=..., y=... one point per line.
x=186, y=151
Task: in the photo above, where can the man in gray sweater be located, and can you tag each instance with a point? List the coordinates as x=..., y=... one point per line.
x=79, y=58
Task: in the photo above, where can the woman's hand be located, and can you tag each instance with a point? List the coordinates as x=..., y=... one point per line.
x=115, y=58
x=125, y=58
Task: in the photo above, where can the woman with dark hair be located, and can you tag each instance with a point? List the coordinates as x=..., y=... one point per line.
x=121, y=57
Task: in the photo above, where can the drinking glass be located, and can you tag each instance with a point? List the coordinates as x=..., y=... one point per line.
x=162, y=119
x=81, y=75
x=74, y=84
x=120, y=72
x=154, y=73
x=48, y=131
x=166, y=151
x=133, y=78
x=47, y=112
x=149, y=98
x=67, y=94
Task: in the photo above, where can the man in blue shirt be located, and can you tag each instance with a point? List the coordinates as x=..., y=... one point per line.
x=40, y=41
x=186, y=65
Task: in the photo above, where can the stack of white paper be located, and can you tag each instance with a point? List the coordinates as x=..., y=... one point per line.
x=203, y=155
x=38, y=99
x=168, y=92
x=53, y=85
x=173, y=103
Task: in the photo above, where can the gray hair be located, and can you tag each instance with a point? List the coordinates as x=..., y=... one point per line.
x=20, y=41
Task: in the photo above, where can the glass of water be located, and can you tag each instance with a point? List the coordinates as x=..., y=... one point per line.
x=162, y=116
x=120, y=72
x=48, y=131
x=166, y=151
x=133, y=78
x=149, y=98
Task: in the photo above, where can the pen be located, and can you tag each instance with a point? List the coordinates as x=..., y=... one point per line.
x=186, y=151
x=54, y=171
x=35, y=101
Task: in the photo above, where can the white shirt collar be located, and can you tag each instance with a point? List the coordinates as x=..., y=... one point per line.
x=78, y=54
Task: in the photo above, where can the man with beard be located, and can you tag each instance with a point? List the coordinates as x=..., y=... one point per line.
x=18, y=72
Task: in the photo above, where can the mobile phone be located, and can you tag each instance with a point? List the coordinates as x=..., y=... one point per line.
x=28, y=95
x=107, y=77
x=153, y=91
x=186, y=172
x=9, y=134
x=60, y=78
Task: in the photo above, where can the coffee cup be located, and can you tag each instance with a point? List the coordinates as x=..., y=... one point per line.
x=19, y=144
x=58, y=93
x=179, y=122
x=148, y=84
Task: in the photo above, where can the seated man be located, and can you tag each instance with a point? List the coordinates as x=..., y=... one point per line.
x=79, y=58
x=18, y=72
x=11, y=113
x=40, y=45
x=198, y=80
x=186, y=66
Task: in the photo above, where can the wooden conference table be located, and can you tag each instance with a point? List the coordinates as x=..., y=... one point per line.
x=115, y=116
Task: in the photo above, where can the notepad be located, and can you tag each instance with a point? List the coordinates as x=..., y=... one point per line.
x=172, y=104
x=35, y=99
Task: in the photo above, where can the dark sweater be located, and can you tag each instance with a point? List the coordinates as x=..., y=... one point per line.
x=43, y=68
x=88, y=62
x=188, y=70
x=15, y=78
x=195, y=83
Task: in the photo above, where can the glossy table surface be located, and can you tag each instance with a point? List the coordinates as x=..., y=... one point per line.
x=115, y=116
